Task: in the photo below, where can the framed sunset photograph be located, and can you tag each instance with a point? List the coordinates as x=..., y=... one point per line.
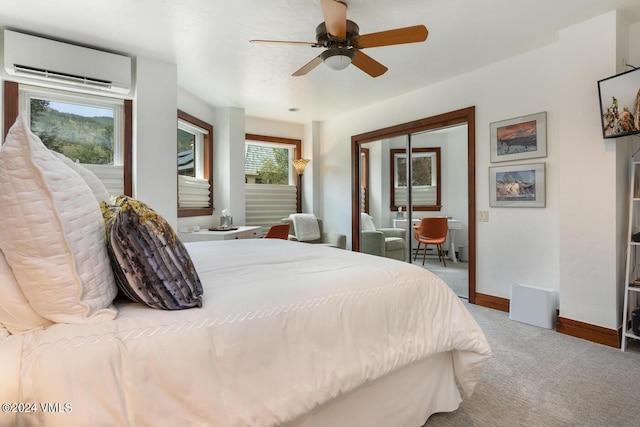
x=519, y=138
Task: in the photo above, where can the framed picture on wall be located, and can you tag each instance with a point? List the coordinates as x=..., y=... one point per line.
x=517, y=186
x=619, y=104
x=519, y=138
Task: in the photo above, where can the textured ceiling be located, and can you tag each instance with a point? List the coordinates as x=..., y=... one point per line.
x=209, y=42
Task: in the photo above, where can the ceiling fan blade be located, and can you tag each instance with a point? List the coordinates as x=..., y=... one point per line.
x=335, y=18
x=417, y=33
x=308, y=66
x=368, y=64
x=311, y=44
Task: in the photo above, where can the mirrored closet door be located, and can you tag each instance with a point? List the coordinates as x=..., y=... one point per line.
x=434, y=156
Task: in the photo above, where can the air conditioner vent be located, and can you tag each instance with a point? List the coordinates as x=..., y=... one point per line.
x=32, y=57
x=62, y=76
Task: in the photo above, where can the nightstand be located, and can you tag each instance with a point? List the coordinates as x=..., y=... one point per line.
x=243, y=232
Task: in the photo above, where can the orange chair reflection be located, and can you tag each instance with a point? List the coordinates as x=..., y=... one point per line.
x=431, y=231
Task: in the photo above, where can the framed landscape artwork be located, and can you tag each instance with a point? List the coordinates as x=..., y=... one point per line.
x=517, y=186
x=519, y=138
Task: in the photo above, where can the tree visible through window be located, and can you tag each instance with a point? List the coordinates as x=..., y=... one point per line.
x=421, y=172
x=82, y=133
x=268, y=163
x=275, y=167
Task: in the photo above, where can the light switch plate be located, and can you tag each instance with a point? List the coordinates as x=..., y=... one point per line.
x=483, y=216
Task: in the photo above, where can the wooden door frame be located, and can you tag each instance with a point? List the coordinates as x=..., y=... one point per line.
x=453, y=118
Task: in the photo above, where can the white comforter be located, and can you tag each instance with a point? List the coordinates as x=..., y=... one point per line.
x=285, y=326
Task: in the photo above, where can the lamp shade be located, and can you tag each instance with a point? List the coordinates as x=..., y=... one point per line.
x=300, y=164
x=337, y=59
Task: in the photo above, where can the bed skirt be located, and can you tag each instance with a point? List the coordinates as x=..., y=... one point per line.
x=406, y=397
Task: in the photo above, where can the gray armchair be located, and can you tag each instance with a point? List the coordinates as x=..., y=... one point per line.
x=386, y=242
x=336, y=240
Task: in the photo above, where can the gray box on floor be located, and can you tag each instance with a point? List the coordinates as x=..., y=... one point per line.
x=532, y=305
x=463, y=251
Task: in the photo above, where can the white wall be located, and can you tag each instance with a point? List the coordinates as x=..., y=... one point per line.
x=456, y=186
x=524, y=245
x=587, y=181
x=154, y=140
x=229, y=131
x=265, y=127
x=311, y=200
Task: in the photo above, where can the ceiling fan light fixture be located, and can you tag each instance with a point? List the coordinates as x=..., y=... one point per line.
x=337, y=59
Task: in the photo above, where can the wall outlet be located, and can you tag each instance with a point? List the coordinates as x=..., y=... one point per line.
x=483, y=216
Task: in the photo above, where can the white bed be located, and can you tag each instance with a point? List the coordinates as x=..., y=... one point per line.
x=290, y=334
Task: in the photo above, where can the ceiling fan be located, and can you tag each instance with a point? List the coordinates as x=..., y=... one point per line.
x=343, y=43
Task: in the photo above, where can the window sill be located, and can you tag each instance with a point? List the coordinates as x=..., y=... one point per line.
x=186, y=212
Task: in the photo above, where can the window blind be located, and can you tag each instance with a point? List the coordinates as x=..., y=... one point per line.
x=422, y=195
x=193, y=192
x=111, y=176
x=266, y=205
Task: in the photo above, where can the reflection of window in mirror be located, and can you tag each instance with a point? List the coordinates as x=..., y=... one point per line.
x=195, y=166
x=425, y=176
x=364, y=180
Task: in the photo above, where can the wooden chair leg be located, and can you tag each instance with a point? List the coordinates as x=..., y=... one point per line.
x=441, y=255
x=417, y=250
x=424, y=254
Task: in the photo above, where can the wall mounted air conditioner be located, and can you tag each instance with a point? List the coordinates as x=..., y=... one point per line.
x=34, y=57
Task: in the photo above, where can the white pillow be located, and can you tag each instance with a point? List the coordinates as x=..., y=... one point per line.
x=16, y=314
x=96, y=186
x=366, y=222
x=52, y=233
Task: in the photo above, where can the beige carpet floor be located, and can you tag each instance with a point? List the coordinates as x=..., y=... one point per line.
x=538, y=377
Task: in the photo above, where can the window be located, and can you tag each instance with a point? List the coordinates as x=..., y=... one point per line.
x=92, y=130
x=268, y=163
x=195, y=171
x=84, y=128
x=271, y=189
x=425, y=175
x=364, y=179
